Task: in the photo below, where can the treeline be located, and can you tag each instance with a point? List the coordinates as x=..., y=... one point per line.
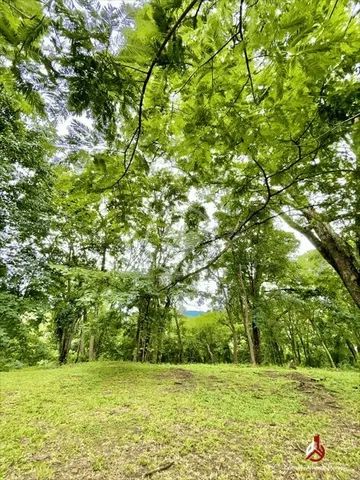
x=303, y=319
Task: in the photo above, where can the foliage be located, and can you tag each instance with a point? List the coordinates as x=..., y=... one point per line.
x=191, y=130
x=25, y=336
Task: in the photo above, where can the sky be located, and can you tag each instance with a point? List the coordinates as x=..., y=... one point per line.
x=304, y=245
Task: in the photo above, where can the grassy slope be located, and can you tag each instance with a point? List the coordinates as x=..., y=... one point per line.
x=113, y=420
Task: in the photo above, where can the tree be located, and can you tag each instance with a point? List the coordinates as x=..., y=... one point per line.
x=203, y=123
x=260, y=259
x=259, y=99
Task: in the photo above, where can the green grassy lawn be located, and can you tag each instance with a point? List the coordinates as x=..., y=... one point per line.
x=114, y=420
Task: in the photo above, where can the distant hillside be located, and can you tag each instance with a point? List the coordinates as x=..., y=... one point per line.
x=203, y=319
x=192, y=313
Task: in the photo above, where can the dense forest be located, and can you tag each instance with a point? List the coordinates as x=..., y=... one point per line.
x=158, y=153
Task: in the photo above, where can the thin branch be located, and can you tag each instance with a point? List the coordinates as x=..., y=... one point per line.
x=333, y=9
x=197, y=12
x=26, y=39
x=296, y=161
x=266, y=178
x=138, y=130
x=261, y=208
x=247, y=62
x=211, y=262
x=159, y=469
x=236, y=98
x=131, y=67
x=240, y=228
x=17, y=10
x=208, y=60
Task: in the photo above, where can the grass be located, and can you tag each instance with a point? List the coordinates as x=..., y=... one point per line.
x=114, y=420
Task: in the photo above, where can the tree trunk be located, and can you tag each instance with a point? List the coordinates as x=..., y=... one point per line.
x=210, y=352
x=64, y=346
x=306, y=356
x=161, y=314
x=136, y=351
x=316, y=329
x=352, y=349
x=279, y=354
x=247, y=326
x=92, y=354
x=103, y=259
x=231, y=323
x=142, y=334
x=292, y=343
x=334, y=249
x=256, y=342
x=236, y=346
x=179, y=337
x=145, y=334
x=246, y=317
x=80, y=350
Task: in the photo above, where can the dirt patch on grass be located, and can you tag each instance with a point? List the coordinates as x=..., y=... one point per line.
x=181, y=373
x=179, y=379
x=177, y=374
x=318, y=398
x=216, y=379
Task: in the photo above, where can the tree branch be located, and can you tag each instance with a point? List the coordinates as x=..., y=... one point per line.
x=208, y=60
x=247, y=62
x=138, y=130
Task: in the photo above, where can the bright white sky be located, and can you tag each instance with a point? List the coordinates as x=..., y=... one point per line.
x=304, y=245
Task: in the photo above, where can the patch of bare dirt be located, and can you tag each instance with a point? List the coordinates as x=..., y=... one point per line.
x=120, y=410
x=179, y=376
x=318, y=398
x=216, y=379
x=181, y=373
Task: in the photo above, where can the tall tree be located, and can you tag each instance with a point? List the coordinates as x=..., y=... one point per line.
x=260, y=259
x=251, y=93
